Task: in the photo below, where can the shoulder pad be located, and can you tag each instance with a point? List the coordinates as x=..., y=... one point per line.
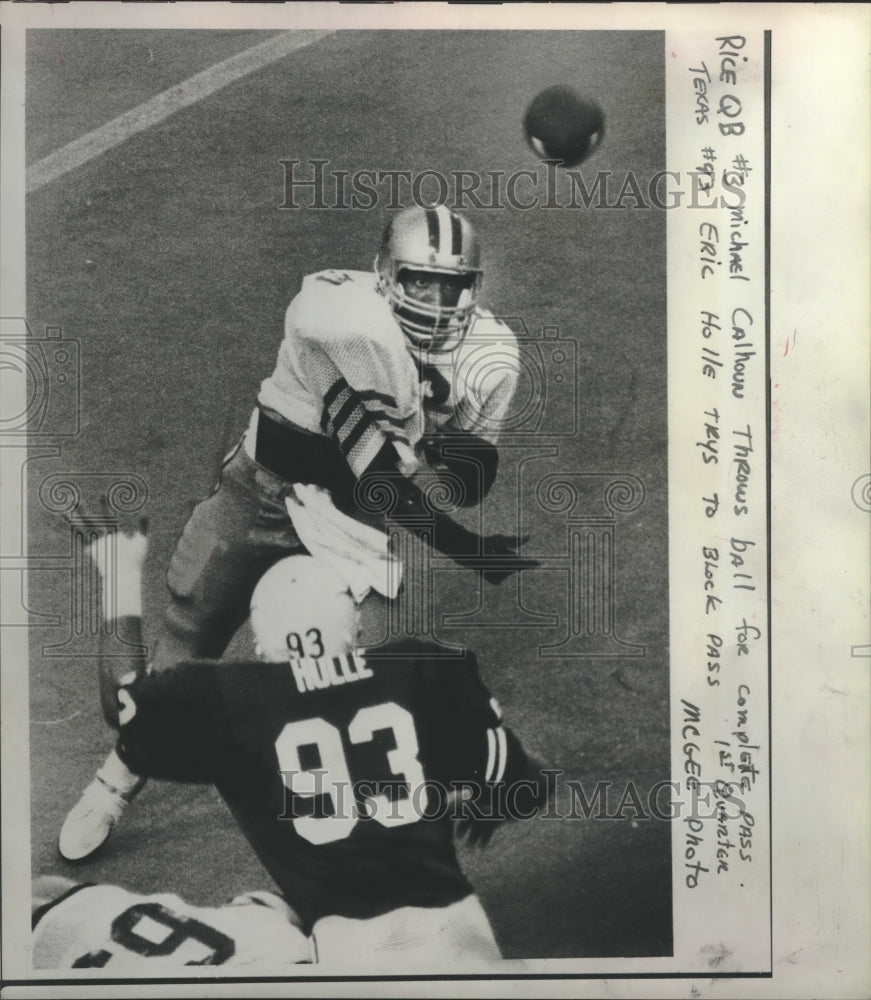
x=331, y=277
x=337, y=305
x=486, y=325
x=488, y=332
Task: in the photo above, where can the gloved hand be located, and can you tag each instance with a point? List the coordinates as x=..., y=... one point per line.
x=471, y=459
x=498, y=556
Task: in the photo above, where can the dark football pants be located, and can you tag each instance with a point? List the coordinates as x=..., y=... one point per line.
x=228, y=543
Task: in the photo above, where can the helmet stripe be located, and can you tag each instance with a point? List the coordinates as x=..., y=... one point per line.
x=456, y=235
x=432, y=225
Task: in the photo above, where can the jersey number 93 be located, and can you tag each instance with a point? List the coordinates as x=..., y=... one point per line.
x=332, y=779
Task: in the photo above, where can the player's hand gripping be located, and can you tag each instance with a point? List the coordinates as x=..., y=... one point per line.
x=474, y=468
x=497, y=556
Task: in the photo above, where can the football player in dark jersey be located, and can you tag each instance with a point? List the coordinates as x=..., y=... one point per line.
x=344, y=769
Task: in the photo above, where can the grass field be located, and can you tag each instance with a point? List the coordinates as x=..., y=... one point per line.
x=170, y=262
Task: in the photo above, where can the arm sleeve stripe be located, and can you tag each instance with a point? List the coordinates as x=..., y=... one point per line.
x=333, y=391
x=491, y=755
x=341, y=401
x=344, y=416
x=341, y=419
x=364, y=451
x=381, y=397
x=364, y=424
x=339, y=392
x=347, y=430
x=502, y=753
x=347, y=417
x=365, y=395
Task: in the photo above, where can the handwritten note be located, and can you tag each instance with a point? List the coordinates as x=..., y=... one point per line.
x=719, y=507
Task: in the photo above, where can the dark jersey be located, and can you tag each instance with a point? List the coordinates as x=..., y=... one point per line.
x=342, y=772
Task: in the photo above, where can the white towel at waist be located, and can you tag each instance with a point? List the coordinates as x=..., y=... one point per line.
x=357, y=552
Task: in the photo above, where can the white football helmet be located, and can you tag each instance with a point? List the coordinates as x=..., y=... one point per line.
x=301, y=607
x=435, y=241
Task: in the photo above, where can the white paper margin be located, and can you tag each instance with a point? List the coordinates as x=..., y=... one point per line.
x=820, y=534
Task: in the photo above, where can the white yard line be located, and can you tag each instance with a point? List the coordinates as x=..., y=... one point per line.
x=159, y=108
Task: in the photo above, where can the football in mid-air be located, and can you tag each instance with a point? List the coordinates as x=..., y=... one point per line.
x=561, y=125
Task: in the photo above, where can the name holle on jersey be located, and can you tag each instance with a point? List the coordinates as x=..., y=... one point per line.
x=315, y=674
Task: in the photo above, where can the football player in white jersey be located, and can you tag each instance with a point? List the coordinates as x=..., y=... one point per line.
x=81, y=926
x=376, y=373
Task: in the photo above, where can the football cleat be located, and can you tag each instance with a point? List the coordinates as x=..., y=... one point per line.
x=436, y=242
x=93, y=818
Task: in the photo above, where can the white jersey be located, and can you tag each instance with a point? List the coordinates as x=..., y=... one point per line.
x=346, y=370
x=408, y=939
x=105, y=926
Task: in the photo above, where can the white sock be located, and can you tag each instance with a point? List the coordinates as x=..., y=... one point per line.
x=118, y=560
x=122, y=595
x=116, y=773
